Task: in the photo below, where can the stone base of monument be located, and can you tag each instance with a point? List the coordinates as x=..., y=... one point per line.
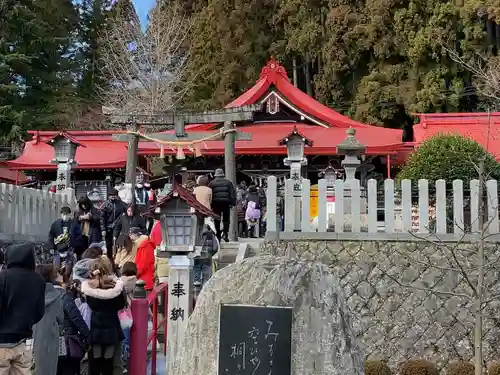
x=322, y=338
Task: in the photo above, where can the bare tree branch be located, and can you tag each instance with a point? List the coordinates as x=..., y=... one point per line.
x=145, y=69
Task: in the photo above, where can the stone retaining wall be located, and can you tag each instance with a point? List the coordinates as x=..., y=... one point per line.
x=408, y=299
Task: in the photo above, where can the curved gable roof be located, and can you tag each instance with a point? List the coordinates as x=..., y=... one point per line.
x=274, y=76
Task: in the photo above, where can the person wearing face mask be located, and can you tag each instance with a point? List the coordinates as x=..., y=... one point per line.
x=151, y=201
x=65, y=236
x=141, y=197
x=111, y=210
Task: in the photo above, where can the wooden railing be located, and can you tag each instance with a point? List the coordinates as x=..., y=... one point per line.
x=406, y=206
x=29, y=212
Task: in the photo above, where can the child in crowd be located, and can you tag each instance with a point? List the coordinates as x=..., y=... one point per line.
x=203, y=261
x=104, y=294
x=252, y=217
x=75, y=331
x=129, y=278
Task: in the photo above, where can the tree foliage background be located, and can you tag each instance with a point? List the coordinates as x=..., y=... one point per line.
x=377, y=61
x=448, y=157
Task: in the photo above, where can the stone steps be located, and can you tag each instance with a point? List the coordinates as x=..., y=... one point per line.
x=229, y=250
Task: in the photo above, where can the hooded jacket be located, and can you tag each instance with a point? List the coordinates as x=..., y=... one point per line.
x=22, y=295
x=105, y=326
x=47, y=331
x=145, y=261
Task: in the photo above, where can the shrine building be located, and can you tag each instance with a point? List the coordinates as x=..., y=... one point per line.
x=284, y=109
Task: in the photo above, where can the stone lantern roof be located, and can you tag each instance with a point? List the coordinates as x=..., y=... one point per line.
x=350, y=145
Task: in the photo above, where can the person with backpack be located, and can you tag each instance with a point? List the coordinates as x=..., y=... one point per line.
x=202, y=268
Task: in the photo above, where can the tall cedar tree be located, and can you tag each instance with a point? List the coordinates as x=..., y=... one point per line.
x=93, y=17
x=376, y=60
x=231, y=40
x=36, y=63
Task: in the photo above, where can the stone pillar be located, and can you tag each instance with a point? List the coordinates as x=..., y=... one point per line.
x=180, y=303
x=133, y=146
x=230, y=171
x=63, y=178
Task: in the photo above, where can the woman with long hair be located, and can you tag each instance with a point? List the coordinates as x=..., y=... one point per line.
x=105, y=297
x=125, y=253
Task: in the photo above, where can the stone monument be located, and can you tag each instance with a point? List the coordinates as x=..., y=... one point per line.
x=323, y=342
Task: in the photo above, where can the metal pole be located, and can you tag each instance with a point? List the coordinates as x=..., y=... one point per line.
x=133, y=148
x=230, y=171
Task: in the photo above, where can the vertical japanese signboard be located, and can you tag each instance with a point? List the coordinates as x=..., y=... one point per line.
x=255, y=340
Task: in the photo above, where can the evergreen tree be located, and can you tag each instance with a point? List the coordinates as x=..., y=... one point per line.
x=376, y=60
x=93, y=18
x=37, y=57
x=231, y=40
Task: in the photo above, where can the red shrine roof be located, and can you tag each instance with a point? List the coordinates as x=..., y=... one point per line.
x=266, y=138
x=322, y=125
x=482, y=127
x=99, y=151
x=179, y=192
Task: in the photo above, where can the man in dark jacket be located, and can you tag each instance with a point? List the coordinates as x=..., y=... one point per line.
x=19, y=310
x=223, y=198
x=90, y=222
x=65, y=238
x=111, y=210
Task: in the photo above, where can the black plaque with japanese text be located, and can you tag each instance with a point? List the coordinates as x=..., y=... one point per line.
x=255, y=340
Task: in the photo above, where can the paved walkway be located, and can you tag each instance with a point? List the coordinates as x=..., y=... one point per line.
x=161, y=367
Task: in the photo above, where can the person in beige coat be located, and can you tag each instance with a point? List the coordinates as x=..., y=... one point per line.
x=125, y=253
x=203, y=193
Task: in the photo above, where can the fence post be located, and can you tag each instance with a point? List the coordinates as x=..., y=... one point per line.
x=139, y=331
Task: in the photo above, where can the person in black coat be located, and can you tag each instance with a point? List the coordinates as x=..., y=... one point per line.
x=105, y=297
x=65, y=238
x=75, y=331
x=129, y=219
x=22, y=305
x=90, y=223
x=223, y=198
x=111, y=210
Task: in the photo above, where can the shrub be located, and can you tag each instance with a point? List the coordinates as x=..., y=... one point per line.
x=494, y=368
x=460, y=368
x=418, y=367
x=377, y=368
x=448, y=157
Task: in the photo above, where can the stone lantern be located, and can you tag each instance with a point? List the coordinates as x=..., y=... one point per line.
x=295, y=144
x=352, y=149
x=182, y=219
x=65, y=148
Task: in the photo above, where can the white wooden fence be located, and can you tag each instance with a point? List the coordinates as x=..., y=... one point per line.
x=403, y=210
x=28, y=213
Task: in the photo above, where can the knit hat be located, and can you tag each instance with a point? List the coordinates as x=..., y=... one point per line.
x=219, y=172
x=113, y=192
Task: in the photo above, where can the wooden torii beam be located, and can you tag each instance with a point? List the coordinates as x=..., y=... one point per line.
x=228, y=116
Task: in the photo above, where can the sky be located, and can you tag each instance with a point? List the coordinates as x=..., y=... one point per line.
x=142, y=8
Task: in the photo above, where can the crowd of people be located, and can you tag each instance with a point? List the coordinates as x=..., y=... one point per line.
x=78, y=306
